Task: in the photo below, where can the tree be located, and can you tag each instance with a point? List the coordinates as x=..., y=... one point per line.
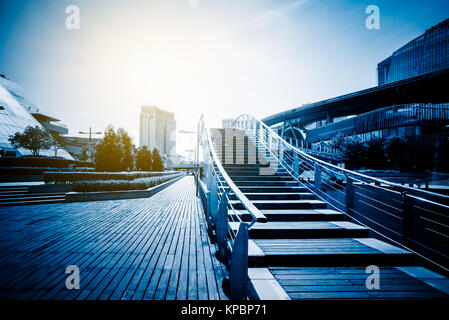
x=395, y=149
x=127, y=147
x=375, y=154
x=59, y=142
x=354, y=150
x=108, y=152
x=143, y=159
x=33, y=139
x=157, y=161
x=115, y=152
x=337, y=142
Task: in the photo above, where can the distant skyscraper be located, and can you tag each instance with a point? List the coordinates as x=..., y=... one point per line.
x=427, y=53
x=227, y=123
x=157, y=129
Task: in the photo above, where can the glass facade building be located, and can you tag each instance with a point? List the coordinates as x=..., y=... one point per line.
x=15, y=115
x=427, y=53
x=419, y=124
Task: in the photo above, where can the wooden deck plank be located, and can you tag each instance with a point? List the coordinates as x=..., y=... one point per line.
x=139, y=248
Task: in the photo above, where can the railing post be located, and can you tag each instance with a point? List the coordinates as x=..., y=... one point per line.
x=207, y=212
x=213, y=202
x=407, y=217
x=349, y=195
x=269, y=145
x=295, y=165
x=222, y=227
x=317, y=170
x=239, y=264
x=281, y=151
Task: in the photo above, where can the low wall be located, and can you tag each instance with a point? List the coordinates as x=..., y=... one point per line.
x=117, y=195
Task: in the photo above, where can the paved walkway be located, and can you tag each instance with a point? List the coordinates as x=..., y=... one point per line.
x=152, y=248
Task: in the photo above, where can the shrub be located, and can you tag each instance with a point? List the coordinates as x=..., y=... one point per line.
x=70, y=177
x=116, y=185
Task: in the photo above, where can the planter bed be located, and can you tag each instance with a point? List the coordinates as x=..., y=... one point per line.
x=121, y=194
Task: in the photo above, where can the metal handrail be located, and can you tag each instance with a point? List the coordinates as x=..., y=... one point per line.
x=343, y=171
x=255, y=213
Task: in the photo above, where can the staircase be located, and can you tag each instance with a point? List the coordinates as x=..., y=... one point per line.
x=19, y=195
x=307, y=250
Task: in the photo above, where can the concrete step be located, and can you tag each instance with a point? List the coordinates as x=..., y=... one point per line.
x=349, y=283
x=266, y=183
x=277, y=196
x=294, y=215
x=11, y=192
x=32, y=198
x=262, y=178
x=304, y=230
x=32, y=202
x=270, y=189
x=282, y=204
x=326, y=252
x=13, y=188
x=28, y=195
x=257, y=173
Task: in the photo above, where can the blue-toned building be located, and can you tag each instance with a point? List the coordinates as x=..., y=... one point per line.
x=16, y=113
x=427, y=53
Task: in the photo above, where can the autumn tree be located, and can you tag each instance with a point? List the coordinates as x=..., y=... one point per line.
x=157, y=161
x=144, y=159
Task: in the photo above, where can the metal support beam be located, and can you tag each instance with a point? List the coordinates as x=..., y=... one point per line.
x=222, y=227
x=213, y=203
x=239, y=264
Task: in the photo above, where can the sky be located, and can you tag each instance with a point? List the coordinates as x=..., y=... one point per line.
x=222, y=58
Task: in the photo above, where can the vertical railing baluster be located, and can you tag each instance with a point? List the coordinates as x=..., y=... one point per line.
x=317, y=170
x=349, y=195
x=295, y=165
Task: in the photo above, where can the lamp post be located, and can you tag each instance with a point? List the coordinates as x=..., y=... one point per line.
x=90, y=133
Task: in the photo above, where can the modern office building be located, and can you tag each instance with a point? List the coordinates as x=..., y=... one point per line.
x=157, y=129
x=16, y=113
x=227, y=123
x=427, y=53
x=419, y=124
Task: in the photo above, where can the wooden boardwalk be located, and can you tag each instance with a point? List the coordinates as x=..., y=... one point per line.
x=152, y=248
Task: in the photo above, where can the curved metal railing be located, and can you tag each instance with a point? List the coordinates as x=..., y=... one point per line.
x=215, y=191
x=413, y=218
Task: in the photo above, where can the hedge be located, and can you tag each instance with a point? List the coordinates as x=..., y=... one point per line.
x=51, y=162
x=71, y=177
x=116, y=185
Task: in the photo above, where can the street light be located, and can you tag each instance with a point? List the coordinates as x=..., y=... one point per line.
x=90, y=133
